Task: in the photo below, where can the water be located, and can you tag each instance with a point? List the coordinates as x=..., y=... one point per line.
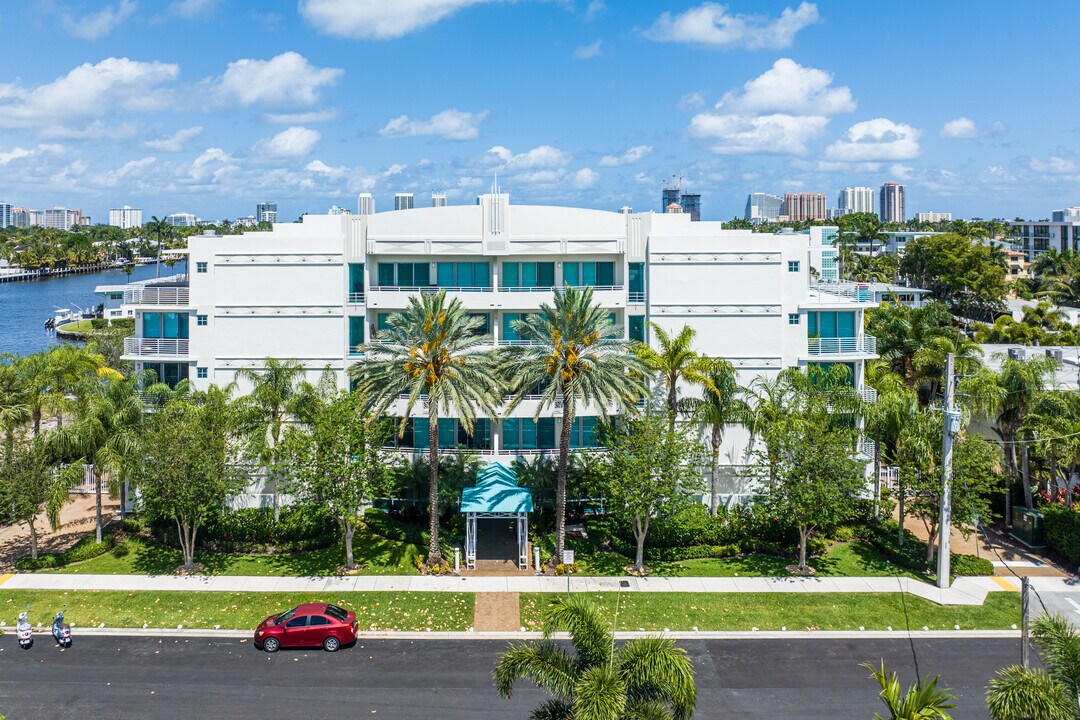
x=25, y=305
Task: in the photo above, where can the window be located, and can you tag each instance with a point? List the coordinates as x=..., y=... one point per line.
x=337, y=613
x=451, y=434
x=200, y=320
x=297, y=622
x=793, y=319
x=509, y=334
x=165, y=325
x=463, y=274
x=116, y=296
x=318, y=620
x=637, y=327
x=637, y=281
x=200, y=373
x=200, y=267
x=583, y=432
x=830, y=324
x=404, y=274
x=589, y=274
x=528, y=274
x=356, y=333
x=168, y=373
x=151, y=325
x=529, y=434
x=793, y=266
x=356, y=278
x=485, y=328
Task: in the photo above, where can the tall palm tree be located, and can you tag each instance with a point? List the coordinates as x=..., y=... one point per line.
x=577, y=360
x=433, y=353
x=1020, y=693
x=14, y=404
x=771, y=401
x=645, y=678
x=674, y=360
x=161, y=231
x=885, y=419
x=275, y=391
x=922, y=701
x=721, y=405
x=902, y=332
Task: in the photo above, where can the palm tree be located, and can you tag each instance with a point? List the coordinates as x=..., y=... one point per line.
x=161, y=231
x=722, y=405
x=923, y=701
x=674, y=360
x=275, y=391
x=902, y=332
x=645, y=678
x=433, y=353
x=1021, y=693
x=575, y=357
x=771, y=402
x=14, y=404
x=884, y=420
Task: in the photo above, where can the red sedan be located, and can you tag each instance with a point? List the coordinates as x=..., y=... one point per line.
x=308, y=625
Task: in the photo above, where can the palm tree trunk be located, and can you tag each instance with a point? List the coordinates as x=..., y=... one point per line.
x=672, y=400
x=1026, y=476
x=717, y=439
x=97, y=501
x=560, y=488
x=900, y=492
x=434, y=553
x=877, y=478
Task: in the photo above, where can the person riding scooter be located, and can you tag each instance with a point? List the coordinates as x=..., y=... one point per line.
x=61, y=631
x=23, y=631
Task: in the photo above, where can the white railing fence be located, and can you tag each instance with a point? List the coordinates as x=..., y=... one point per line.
x=148, y=347
x=153, y=295
x=860, y=344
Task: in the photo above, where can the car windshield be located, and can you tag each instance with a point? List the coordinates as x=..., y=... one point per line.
x=284, y=617
x=337, y=613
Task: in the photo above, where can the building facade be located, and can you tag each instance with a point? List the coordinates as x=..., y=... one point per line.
x=763, y=207
x=126, y=217
x=856, y=200
x=805, y=206
x=403, y=201
x=438, y=199
x=892, y=203
x=933, y=217
x=60, y=218
x=691, y=205
x=266, y=212
x=182, y=219
x=365, y=204
x=6, y=218
x=1061, y=233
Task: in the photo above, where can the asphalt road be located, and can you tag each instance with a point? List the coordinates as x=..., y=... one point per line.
x=102, y=677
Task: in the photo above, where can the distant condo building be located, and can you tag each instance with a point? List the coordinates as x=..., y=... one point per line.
x=182, y=219
x=337, y=210
x=403, y=201
x=438, y=199
x=1061, y=233
x=805, y=206
x=266, y=212
x=6, y=219
x=892, y=203
x=60, y=218
x=365, y=204
x=762, y=207
x=126, y=217
x=248, y=221
x=856, y=200
x=933, y=217
x=689, y=203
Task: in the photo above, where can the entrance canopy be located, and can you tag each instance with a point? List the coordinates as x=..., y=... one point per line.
x=496, y=495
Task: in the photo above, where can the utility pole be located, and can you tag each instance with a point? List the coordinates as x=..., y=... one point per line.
x=951, y=427
x=1025, y=600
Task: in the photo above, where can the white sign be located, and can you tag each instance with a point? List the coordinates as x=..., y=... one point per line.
x=568, y=557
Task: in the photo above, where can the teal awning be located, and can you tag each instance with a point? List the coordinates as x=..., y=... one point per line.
x=496, y=491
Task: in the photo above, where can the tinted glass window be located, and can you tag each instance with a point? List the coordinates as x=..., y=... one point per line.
x=297, y=622
x=335, y=612
x=319, y=620
x=284, y=616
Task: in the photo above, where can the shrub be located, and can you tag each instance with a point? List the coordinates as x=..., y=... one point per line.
x=970, y=565
x=883, y=536
x=844, y=533
x=691, y=525
x=691, y=552
x=299, y=527
x=817, y=546
x=572, y=569
x=99, y=323
x=1063, y=530
x=85, y=549
x=380, y=523
x=121, y=550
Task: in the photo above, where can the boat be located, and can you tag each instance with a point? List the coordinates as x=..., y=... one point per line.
x=60, y=316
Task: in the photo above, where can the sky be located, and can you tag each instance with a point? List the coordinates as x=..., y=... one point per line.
x=210, y=106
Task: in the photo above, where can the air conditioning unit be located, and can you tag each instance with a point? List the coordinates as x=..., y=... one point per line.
x=1016, y=353
x=1056, y=354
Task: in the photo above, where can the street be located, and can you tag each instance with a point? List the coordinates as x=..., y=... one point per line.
x=113, y=677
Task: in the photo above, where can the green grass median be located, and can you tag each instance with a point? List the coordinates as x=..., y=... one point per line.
x=796, y=611
x=416, y=611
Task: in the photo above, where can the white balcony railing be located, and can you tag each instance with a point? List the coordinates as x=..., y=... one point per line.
x=865, y=448
x=858, y=345
x=149, y=347
x=154, y=295
x=356, y=298
x=428, y=289
x=840, y=292
x=635, y=297
x=868, y=394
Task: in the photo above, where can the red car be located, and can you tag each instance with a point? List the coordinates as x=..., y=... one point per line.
x=308, y=625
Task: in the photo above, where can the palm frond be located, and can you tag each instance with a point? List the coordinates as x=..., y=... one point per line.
x=545, y=663
x=1019, y=693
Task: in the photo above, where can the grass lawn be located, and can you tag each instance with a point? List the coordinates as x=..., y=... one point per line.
x=854, y=559
x=374, y=610
x=796, y=611
x=377, y=555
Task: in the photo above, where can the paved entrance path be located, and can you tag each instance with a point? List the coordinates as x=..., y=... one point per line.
x=497, y=612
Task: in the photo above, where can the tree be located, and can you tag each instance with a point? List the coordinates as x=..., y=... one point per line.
x=674, y=360
x=644, y=678
x=884, y=421
x=652, y=466
x=721, y=405
x=923, y=701
x=30, y=483
x=337, y=458
x=1020, y=693
x=575, y=358
x=434, y=353
x=187, y=470
x=903, y=333
x=958, y=270
x=14, y=403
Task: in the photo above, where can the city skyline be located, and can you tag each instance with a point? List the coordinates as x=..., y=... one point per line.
x=108, y=102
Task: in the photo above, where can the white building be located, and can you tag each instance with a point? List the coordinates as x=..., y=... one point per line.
x=933, y=217
x=763, y=207
x=1061, y=233
x=892, y=202
x=315, y=290
x=896, y=240
x=856, y=200
x=248, y=221
x=403, y=201
x=266, y=212
x=126, y=217
x=438, y=199
x=60, y=218
x=337, y=210
x=365, y=204
x=182, y=219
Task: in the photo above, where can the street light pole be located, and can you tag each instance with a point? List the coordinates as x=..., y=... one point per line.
x=951, y=427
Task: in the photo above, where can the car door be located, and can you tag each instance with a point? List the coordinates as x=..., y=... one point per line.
x=295, y=634
x=318, y=629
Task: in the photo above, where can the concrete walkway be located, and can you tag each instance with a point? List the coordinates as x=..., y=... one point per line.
x=964, y=591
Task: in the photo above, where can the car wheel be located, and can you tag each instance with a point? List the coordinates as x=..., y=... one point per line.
x=331, y=644
x=271, y=645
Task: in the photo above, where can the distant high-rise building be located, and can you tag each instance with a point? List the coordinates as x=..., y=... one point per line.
x=182, y=219
x=35, y=218
x=892, y=202
x=933, y=217
x=248, y=221
x=266, y=212
x=668, y=196
x=60, y=218
x=833, y=213
x=5, y=215
x=856, y=200
x=403, y=201
x=762, y=207
x=365, y=204
x=805, y=206
x=438, y=199
x=335, y=210
x=126, y=217
x=673, y=209
x=691, y=205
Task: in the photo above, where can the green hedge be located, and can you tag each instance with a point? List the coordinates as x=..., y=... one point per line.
x=912, y=556
x=86, y=548
x=1063, y=530
x=970, y=565
x=298, y=528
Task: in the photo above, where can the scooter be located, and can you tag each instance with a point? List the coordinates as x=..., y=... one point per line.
x=61, y=631
x=23, y=631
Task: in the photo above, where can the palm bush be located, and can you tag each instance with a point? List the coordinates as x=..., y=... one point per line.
x=1020, y=693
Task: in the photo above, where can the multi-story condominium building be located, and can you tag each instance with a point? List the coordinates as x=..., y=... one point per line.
x=1061, y=233
x=60, y=218
x=266, y=212
x=316, y=290
x=126, y=217
x=691, y=205
x=21, y=217
x=438, y=199
x=336, y=210
x=403, y=201
x=896, y=240
x=762, y=207
x=892, y=203
x=805, y=206
x=6, y=220
x=182, y=219
x=856, y=200
x=669, y=196
x=365, y=204
x=36, y=218
x=933, y=217
x=248, y=221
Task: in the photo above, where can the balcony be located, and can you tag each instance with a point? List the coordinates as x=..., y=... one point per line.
x=839, y=293
x=868, y=394
x=140, y=347
x=858, y=345
x=865, y=448
x=356, y=298
x=175, y=295
x=635, y=297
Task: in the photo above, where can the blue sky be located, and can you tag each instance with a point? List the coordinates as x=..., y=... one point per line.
x=209, y=106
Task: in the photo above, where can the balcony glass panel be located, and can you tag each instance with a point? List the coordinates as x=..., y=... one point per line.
x=151, y=325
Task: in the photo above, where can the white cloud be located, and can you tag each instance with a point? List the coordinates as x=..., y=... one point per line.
x=212, y=164
x=126, y=173
x=542, y=156
x=18, y=153
x=778, y=134
x=378, y=19
x=594, y=8
x=591, y=50
x=100, y=23
x=175, y=142
x=287, y=79
x=321, y=168
x=905, y=172
x=302, y=118
x=711, y=24
x=691, y=101
x=584, y=178
x=290, y=143
x=632, y=155
x=1053, y=165
x=194, y=9
x=877, y=139
x=963, y=128
x=449, y=125
x=789, y=87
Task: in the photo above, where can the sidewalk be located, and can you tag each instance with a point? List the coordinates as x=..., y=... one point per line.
x=964, y=591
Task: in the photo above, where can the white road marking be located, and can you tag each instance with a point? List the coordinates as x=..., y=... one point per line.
x=1074, y=604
